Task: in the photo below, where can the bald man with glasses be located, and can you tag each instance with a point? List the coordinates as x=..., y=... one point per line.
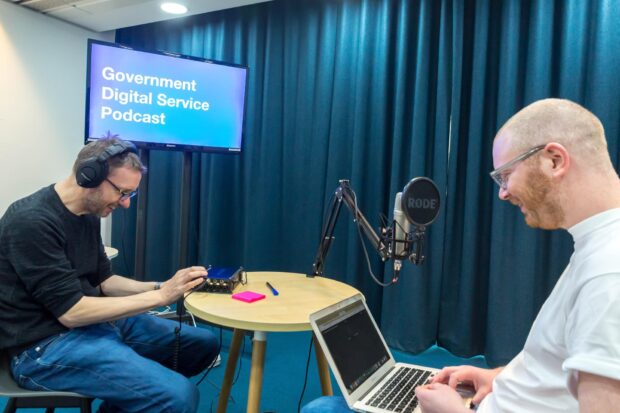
x=67, y=322
x=552, y=162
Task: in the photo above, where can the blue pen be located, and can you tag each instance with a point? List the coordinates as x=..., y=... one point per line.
x=273, y=290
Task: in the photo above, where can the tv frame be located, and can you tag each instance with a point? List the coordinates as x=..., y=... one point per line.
x=158, y=145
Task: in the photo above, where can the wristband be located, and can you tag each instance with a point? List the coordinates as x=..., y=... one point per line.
x=157, y=285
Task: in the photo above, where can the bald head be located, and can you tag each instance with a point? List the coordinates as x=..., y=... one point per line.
x=561, y=121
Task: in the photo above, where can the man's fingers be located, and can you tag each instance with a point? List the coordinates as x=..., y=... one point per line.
x=421, y=391
x=193, y=273
x=440, y=377
x=455, y=379
x=443, y=375
x=480, y=394
x=192, y=270
x=196, y=282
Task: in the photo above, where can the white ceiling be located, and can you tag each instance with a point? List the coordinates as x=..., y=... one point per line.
x=104, y=15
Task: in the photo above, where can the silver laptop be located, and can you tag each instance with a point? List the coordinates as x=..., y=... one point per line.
x=368, y=376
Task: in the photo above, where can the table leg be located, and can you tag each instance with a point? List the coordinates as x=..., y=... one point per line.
x=256, y=372
x=321, y=362
x=231, y=365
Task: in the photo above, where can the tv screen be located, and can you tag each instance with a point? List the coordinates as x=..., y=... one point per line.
x=163, y=100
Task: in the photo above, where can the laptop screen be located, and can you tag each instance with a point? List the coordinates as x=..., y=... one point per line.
x=354, y=344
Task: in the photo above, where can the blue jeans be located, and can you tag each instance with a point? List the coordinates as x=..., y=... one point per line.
x=126, y=363
x=327, y=404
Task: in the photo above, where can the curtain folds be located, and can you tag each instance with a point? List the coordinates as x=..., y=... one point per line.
x=378, y=92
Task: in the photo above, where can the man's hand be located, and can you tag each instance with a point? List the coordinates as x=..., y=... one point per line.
x=439, y=398
x=480, y=379
x=183, y=281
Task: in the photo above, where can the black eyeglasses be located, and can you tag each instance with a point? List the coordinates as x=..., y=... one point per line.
x=124, y=194
x=501, y=174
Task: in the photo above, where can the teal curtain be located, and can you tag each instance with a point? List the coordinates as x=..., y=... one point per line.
x=378, y=92
x=498, y=271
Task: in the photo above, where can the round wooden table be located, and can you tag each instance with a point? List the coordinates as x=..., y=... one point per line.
x=299, y=296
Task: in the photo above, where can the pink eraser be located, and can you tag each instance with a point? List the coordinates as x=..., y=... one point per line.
x=248, y=296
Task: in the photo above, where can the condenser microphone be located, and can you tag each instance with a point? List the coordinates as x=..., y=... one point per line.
x=420, y=203
x=399, y=236
x=401, y=228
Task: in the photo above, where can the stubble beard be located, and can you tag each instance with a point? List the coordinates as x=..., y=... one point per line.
x=96, y=206
x=543, y=208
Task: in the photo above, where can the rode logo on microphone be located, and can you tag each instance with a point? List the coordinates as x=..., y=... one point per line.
x=422, y=203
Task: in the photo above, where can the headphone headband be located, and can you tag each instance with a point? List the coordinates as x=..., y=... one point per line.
x=117, y=149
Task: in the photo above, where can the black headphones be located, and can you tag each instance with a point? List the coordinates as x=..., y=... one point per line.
x=94, y=170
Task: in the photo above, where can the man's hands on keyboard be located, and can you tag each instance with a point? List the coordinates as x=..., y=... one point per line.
x=480, y=379
x=440, y=398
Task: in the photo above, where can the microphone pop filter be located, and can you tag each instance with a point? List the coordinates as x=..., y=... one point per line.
x=420, y=201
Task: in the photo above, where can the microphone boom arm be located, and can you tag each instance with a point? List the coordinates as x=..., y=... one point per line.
x=345, y=194
x=327, y=236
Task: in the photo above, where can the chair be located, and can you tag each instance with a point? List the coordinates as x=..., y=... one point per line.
x=22, y=398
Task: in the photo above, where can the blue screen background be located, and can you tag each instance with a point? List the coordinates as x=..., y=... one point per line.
x=222, y=86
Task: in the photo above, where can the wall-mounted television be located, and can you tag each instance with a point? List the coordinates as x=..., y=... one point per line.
x=161, y=100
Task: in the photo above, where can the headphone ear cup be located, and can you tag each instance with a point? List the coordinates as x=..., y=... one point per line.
x=91, y=173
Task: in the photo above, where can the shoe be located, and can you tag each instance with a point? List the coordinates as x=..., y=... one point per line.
x=216, y=361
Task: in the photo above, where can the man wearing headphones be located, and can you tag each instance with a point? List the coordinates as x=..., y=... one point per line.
x=66, y=322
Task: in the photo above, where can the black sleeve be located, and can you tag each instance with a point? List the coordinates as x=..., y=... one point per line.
x=104, y=267
x=36, y=248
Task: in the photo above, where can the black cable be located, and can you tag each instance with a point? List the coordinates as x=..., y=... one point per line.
x=176, y=351
x=235, y=379
x=240, y=363
x=177, y=341
x=359, y=231
x=219, y=348
x=177, y=347
x=123, y=250
x=303, y=390
x=384, y=220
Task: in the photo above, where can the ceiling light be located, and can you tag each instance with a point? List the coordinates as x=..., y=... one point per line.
x=174, y=8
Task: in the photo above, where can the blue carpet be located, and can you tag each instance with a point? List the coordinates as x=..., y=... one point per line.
x=285, y=366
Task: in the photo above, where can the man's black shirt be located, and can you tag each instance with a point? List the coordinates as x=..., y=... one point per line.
x=49, y=259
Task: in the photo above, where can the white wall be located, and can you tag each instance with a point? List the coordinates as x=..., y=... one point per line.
x=42, y=95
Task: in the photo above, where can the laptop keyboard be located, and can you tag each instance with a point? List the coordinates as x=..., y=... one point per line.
x=398, y=393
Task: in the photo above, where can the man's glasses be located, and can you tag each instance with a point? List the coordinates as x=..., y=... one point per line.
x=124, y=194
x=501, y=174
